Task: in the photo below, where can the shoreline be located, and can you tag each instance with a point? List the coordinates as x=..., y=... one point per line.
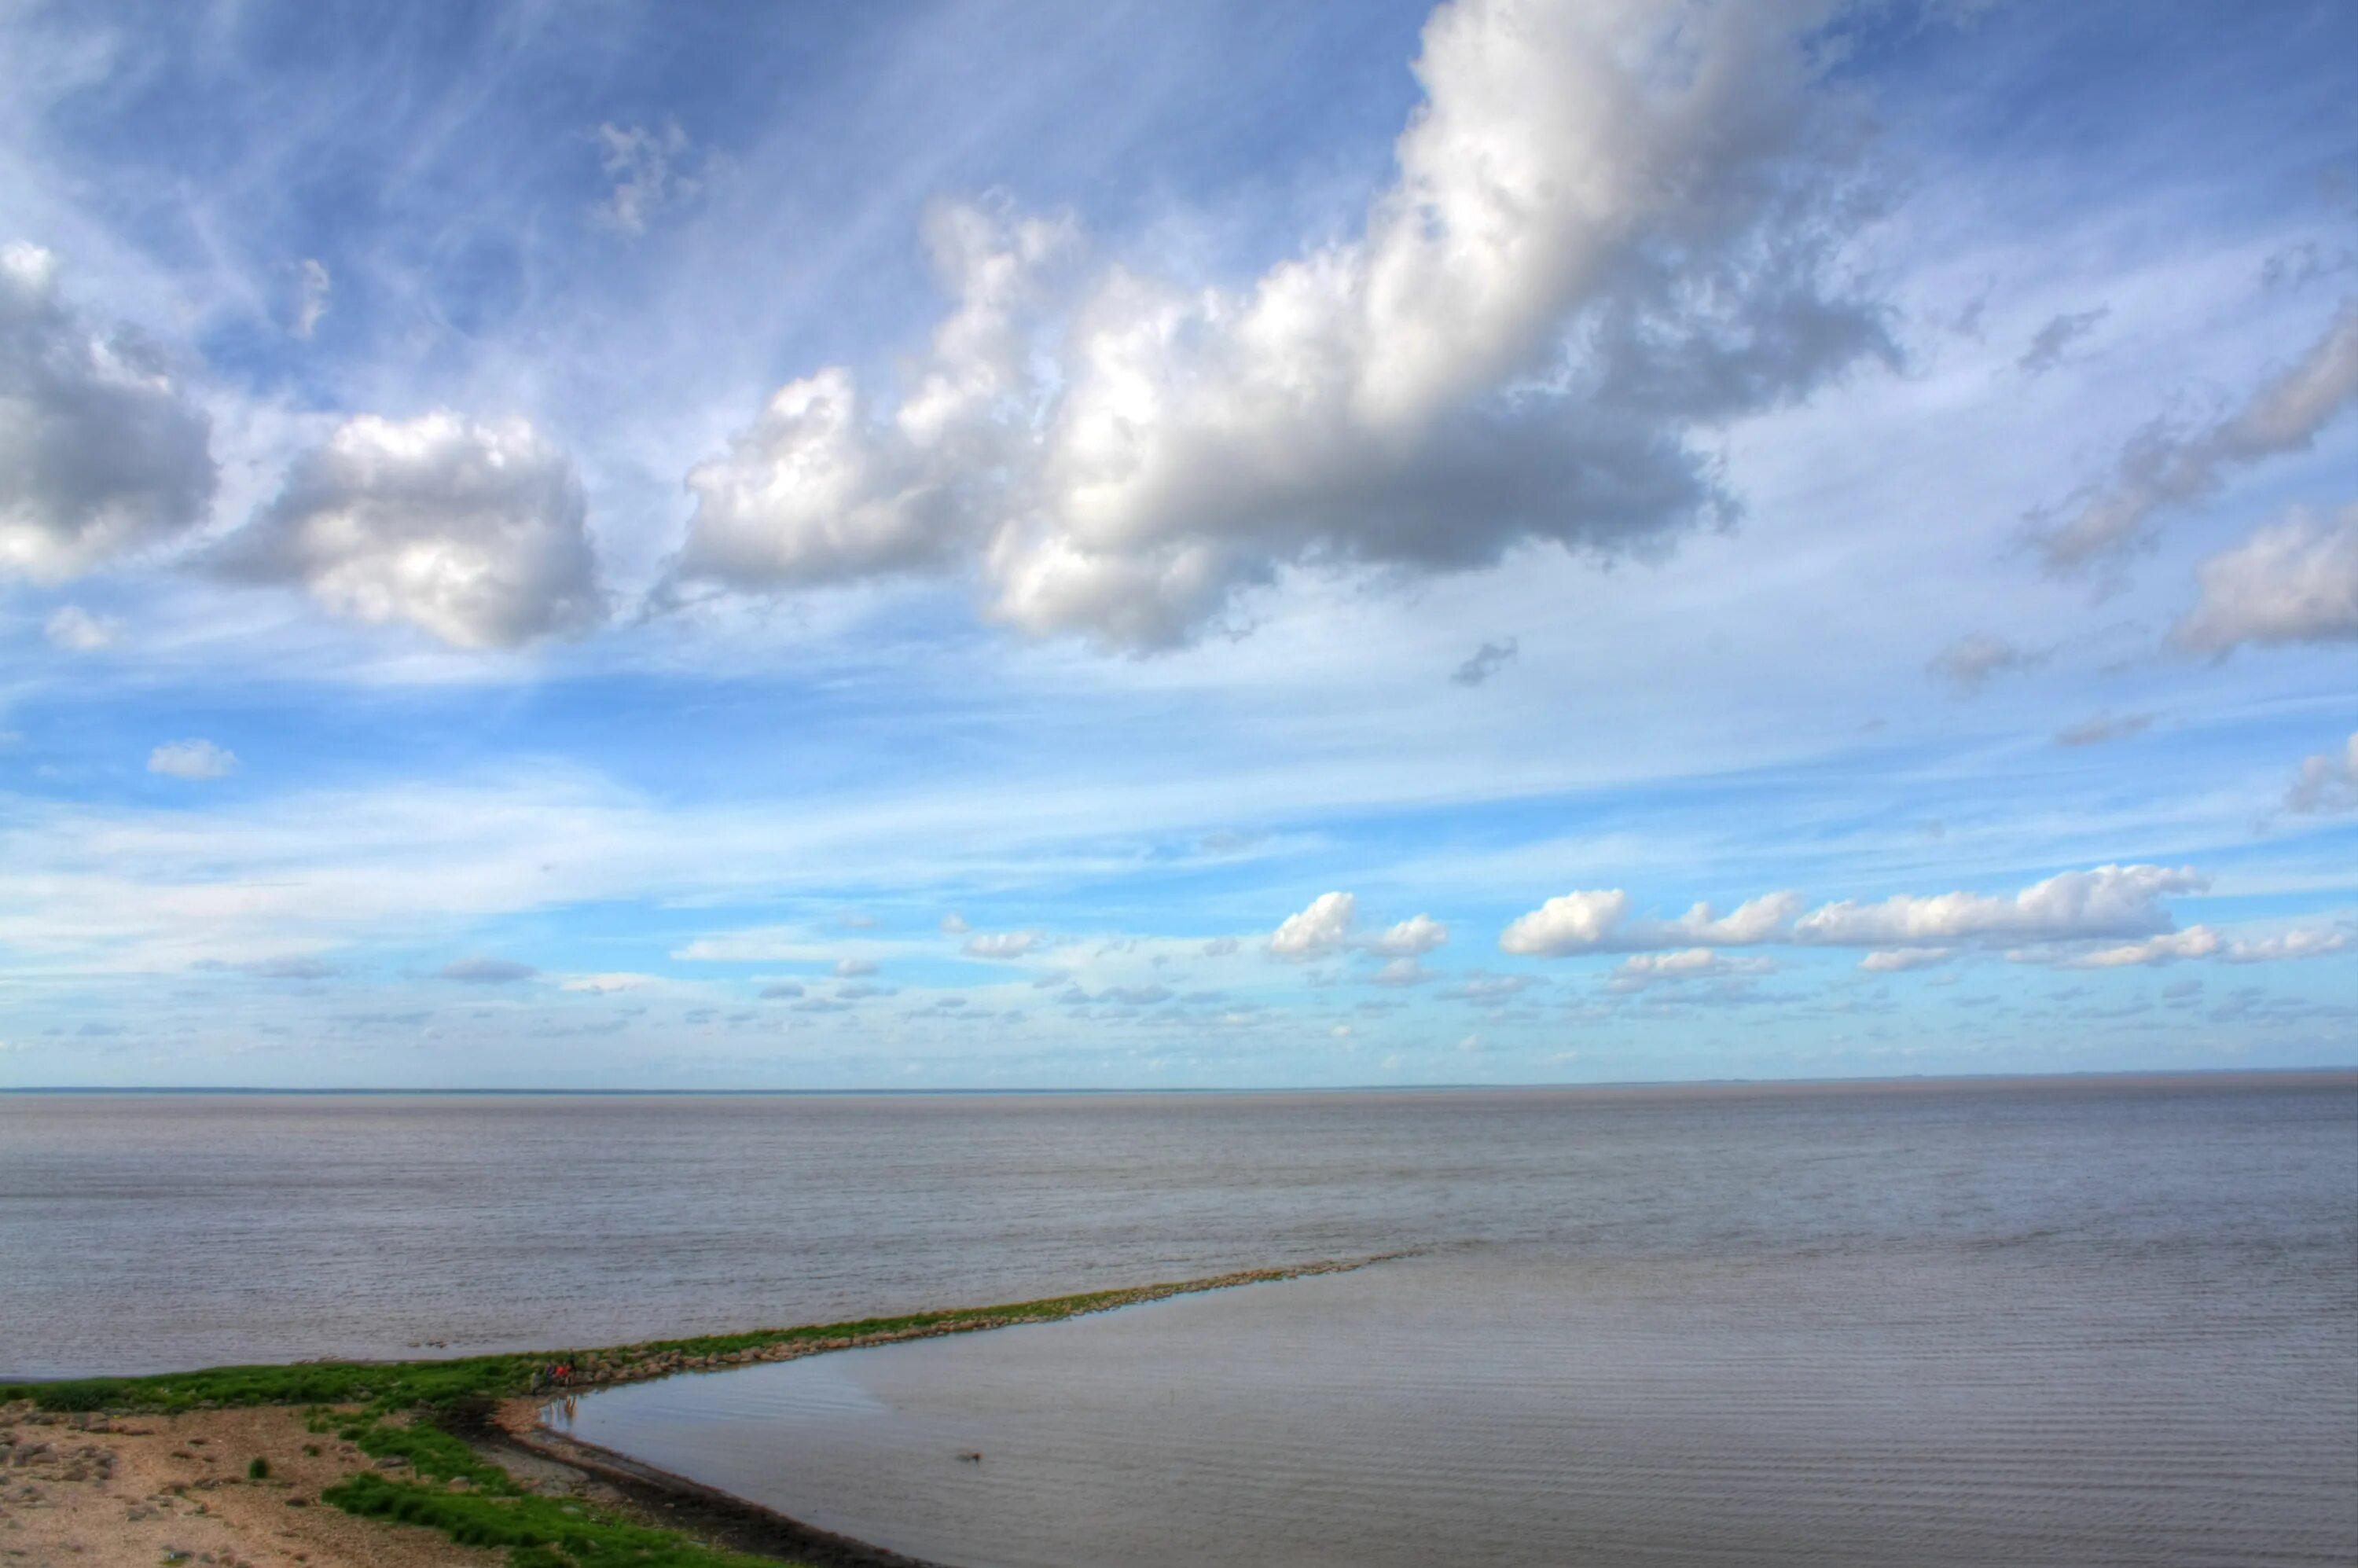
x=723, y=1518
x=455, y=1447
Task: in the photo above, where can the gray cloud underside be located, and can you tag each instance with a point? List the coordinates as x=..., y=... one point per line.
x=2047, y=346
x=2294, y=581
x=100, y=452
x=472, y=531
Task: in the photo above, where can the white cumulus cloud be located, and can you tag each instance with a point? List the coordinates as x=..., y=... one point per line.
x=1571, y=923
x=1968, y=662
x=192, y=758
x=313, y=302
x=2108, y=900
x=76, y=630
x=1322, y=928
x=1897, y=960
x=470, y=530
x=1762, y=919
x=2194, y=942
x=1417, y=935
x=1001, y=945
x=101, y=451
x=2294, y=581
x=1614, y=227
x=641, y=161
x=1647, y=970
x=1597, y=922
x=2327, y=784
x=1401, y=972
x=2308, y=942
x=2197, y=942
x=609, y=984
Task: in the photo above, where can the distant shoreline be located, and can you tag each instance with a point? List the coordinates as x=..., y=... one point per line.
x=2335, y=1075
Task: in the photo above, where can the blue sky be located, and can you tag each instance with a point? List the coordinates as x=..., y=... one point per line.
x=973, y=545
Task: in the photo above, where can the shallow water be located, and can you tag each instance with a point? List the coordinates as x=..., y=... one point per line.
x=2020, y=1325
x=2093, y=1321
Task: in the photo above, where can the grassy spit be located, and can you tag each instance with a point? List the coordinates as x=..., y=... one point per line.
x=397, y=1413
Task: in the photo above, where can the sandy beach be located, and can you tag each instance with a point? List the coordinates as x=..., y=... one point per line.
x=135, y=1491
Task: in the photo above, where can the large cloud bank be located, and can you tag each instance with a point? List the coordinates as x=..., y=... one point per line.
x=101, y=451
x=472, y=531
x=1614, y=226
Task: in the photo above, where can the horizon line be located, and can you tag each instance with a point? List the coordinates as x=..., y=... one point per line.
x=2348, y=1070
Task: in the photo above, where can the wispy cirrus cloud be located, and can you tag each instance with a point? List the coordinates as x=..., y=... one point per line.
x=2163, y=467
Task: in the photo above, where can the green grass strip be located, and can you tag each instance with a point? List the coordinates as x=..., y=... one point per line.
x=381, y=1387
x=539, y=1532
x=494, y=1511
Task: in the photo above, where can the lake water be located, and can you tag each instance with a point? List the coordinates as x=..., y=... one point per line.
x=2093, y=1321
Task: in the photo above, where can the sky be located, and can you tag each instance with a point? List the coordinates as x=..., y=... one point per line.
x=966, y=543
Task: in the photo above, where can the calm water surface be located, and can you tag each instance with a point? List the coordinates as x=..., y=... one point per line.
x=2094, y=1322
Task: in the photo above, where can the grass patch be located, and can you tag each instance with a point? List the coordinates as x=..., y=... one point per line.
x=539, y=1532
x=494, y=1511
